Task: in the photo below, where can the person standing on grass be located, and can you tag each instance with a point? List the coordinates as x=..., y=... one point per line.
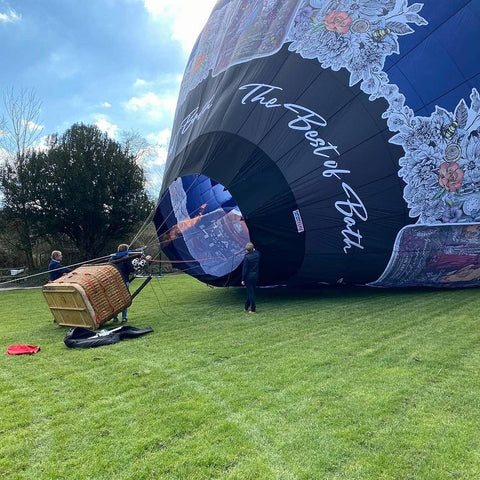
x=250, y=268
x=55, y=267
x=124, y=265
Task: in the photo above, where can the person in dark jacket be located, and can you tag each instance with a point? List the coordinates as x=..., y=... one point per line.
x=251, y=265
x=55, y=267
x=124, y=265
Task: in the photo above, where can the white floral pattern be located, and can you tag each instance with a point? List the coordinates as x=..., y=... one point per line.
x=441, y=166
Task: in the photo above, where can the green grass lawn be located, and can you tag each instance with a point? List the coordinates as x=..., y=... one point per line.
x=330, y=384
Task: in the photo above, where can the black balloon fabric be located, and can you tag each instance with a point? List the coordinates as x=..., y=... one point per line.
x=341, y=137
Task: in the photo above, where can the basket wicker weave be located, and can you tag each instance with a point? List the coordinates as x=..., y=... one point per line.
x=88, y=296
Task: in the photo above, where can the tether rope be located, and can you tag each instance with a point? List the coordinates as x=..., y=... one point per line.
x=155, y=240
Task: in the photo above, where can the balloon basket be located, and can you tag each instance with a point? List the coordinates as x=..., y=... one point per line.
x=87, y=297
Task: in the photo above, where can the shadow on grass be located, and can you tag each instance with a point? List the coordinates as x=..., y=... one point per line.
x=342, y=295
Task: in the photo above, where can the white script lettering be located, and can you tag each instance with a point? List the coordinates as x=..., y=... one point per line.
x=305, y=118
x=353, y=206
x=308, y=121
x=263, y=90
x=194, y=115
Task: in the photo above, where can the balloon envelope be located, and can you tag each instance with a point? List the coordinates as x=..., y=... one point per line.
x=340, y=137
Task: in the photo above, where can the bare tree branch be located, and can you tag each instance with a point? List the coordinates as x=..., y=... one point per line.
x=133, y=144
x=19, y=125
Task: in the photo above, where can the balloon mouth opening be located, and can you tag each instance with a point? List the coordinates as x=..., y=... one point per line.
x=200, y=227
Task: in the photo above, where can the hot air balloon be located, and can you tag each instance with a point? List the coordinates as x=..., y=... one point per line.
x=341, y=137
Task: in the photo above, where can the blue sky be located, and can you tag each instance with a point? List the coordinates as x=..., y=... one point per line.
x=114, y=63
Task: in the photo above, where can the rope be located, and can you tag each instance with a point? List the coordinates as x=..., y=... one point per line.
x=45, y=272
x=171, y=211
x=198, y=260
x=154, y=240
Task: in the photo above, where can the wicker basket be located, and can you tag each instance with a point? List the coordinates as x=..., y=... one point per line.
x=88, y=296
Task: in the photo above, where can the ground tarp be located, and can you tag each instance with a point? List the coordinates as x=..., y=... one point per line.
x=79, y=337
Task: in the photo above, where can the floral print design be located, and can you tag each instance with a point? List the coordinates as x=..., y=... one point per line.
x=441, y=165
x=366, y=33
x=451, y=176
x=338, y=22
x=446, y=146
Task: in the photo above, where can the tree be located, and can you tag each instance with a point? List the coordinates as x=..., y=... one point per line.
x=19, y=125
x=95, y=190
x=21, y=183
x=19, y=130
x=134, y=144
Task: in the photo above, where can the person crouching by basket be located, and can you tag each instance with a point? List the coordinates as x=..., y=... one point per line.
x=124, y=265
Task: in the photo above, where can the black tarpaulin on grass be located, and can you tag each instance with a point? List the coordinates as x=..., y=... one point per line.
x=79, y=337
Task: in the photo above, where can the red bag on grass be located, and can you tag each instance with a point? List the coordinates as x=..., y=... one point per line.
x=22, y=349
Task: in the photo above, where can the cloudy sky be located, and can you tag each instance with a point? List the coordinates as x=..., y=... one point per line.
x=114, y=63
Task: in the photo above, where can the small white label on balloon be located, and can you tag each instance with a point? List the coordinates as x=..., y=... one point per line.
x=298, y=221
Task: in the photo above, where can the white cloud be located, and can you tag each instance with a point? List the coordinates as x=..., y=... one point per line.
x=32, y=126
x=154, y=181
x=4, y=155
x=106, y=105
x=140, y=82
x=187, y=17
x=154, y=158
x=153, y=163
x=153, y=105
x=10, y=17
x=105, y=126
x=161, y=138
x=43, y=144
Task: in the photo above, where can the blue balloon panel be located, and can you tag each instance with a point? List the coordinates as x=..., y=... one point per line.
x=342, y=137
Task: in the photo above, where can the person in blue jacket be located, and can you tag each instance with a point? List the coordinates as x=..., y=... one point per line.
x=250, y=268
x=55, y=267
x=124, y=265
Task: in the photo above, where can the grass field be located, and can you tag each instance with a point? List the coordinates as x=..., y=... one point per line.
x=330, y=384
